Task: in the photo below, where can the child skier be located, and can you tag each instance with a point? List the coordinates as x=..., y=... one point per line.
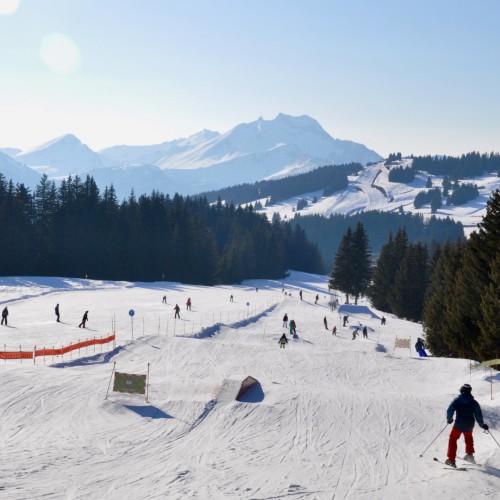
x=283, y=341
x=420, y=348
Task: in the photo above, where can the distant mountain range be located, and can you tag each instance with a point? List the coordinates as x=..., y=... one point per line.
x=204, y=161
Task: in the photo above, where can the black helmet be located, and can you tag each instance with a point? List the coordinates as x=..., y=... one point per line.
x=466, y=388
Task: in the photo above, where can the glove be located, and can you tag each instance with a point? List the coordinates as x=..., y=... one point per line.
x=450, y=420
x=485, y=427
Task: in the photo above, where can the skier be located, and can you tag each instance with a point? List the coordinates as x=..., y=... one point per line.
x=467, y=410
x=355, y=333
x=164, y=299
x=420, y=348
x=177, y=311
x=325, y=322
x=382, y=321
x=293, y=331
x=285, y=320
x=334, y=330
x=188, y=304
x=300, y=294
x=365, y=332
x=84, y=320
x=5, y=313
x=57, y=313
x=231, y=299
x=346, y=319
x=316, y=299
x=283, y=341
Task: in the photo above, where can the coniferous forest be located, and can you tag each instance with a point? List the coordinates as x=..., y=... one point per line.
x=74, y=230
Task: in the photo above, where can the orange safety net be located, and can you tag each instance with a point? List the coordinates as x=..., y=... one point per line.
x=54, y=352
x=16, y=355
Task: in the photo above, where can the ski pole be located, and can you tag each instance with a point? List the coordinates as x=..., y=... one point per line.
x=440, y=432
x=489, y=432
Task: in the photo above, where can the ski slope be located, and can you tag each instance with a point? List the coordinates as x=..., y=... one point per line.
x=371, y=190
x=331, y=417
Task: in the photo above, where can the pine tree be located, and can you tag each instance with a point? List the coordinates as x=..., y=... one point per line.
x=383, y=277
x=361, y=268
x=407, y=297
x=341, y=271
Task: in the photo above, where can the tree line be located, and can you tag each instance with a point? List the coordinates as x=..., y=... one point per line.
x=326, y=232
x=452, y=287
x=327, y=179
x=74, y=230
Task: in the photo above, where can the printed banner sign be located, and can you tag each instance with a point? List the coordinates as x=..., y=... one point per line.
x=129, y=382
x=402, y=343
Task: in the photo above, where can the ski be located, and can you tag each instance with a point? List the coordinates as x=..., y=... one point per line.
x=449, y=467
x=470, y=463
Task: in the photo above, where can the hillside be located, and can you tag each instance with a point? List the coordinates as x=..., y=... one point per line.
x=331, y=417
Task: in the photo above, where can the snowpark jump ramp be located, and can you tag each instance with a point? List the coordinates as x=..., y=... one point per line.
x=235, y=388
x=352, y=309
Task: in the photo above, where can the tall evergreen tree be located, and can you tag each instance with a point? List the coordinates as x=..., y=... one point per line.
x=407, y=297
x=361, y=268
x=340, y=277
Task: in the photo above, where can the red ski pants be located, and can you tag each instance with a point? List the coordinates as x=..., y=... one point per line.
x=452, y=443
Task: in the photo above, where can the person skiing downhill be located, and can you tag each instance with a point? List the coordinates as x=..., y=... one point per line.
x=177, y=310
x=316, y=299
x=292, y=326
x=365, y=332
x=467, y=411
x=285, y=320
x=57, y=313
x=283, y=341
x=188, y=304
x=355, y=333
x=420, y=348
x=334, y=330
x=84, y=320
x=325, y=322
x=346, y=320
x=300, y=294
x=5, y=313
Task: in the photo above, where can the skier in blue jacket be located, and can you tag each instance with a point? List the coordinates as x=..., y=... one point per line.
x=467, y=411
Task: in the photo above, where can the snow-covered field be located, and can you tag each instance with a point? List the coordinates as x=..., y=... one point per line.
x=331, y=418
x=371, y=190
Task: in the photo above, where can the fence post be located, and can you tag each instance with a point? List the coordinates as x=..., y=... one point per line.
x=34, y=355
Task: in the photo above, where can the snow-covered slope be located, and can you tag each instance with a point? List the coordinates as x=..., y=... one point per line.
x=63, y=156
x=371, y=190
x=331, y=417
x=10, y=151
x=18, y=172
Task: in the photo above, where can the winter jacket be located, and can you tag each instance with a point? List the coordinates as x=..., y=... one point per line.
x=467, y=410
x=419, y=346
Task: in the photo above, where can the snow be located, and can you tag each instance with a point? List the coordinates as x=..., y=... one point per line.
x=366, y=192
x=334, y=418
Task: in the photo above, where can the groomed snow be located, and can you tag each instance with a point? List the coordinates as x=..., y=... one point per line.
x=371, y=190
x=332, y=417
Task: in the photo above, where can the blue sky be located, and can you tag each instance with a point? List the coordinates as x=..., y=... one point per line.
x=397, y=75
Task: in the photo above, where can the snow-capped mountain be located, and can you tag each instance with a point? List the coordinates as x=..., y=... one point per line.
x=204, y=161
x=61, y=157
x=17, y=172
x=10, y=151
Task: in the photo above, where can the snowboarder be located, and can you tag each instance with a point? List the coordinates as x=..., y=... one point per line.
x=177, y=311
x=293, y=331
x=346, y=319
x=285, y=320
x=57, y=313
x=316, y=299
x=334, y=330
x=300, y=294
x=188, y=304
x=420, y=348
x=84, y=320
x=382, y=321
x=283, y=341
x=164, y=299
x=5, y=313
x=355, y=333
x=467, y=411
x=365, y=332
x=325, y=322
x=231, y=299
